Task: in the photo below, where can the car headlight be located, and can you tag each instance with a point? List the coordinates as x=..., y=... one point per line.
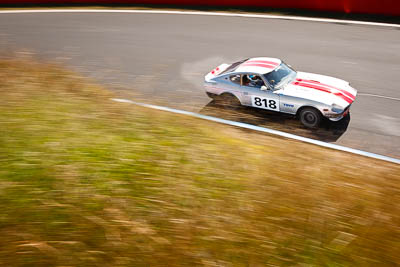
x=336, y=108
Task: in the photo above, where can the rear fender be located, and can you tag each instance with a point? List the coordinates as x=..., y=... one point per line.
x=233, y=93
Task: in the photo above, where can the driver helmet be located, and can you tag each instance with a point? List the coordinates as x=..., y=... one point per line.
x=252, y=77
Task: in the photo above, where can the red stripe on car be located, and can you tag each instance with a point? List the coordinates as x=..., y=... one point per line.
x=262, y=61
x=312, y=86
x=258, y=65
x=320, y=88
x=348, y=99
x=330, y=86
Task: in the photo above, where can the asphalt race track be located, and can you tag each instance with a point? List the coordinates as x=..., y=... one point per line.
x=162, y=58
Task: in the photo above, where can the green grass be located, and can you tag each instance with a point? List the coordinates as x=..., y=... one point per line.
x=85, y=181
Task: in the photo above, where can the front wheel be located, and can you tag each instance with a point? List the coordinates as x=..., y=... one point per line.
x=310, y=117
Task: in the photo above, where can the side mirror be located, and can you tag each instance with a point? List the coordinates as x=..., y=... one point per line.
x=264, y=88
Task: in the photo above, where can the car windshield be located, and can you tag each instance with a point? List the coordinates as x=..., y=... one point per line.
x=280, y=76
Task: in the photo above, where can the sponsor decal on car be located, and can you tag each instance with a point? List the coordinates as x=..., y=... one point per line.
x=288, y=105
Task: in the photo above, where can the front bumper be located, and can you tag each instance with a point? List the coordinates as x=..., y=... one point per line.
x=338, y=117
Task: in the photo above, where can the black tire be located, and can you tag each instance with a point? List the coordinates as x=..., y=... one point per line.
x=310, y=117
x=228, y=100
x=211, y=95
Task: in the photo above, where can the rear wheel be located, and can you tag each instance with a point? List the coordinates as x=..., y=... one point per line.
x=310, y=117
x=228, y=100
x=211, y=95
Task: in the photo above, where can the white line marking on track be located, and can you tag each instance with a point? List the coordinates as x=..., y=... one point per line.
x=380, y=96
x=201, y=13
x=262, y=129
x=349, y=62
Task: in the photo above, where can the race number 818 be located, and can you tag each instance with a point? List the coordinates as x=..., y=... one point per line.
x=265, y=103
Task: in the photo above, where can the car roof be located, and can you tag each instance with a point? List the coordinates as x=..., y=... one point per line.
x=259, y=65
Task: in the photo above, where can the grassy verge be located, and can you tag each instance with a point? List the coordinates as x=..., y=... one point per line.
x=88, y=182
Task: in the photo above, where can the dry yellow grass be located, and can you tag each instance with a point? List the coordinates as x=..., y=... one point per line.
x=88, y=182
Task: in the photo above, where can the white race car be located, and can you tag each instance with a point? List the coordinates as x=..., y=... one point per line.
x=268, y=83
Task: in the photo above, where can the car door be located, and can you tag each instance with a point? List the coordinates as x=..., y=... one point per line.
x=260, y=94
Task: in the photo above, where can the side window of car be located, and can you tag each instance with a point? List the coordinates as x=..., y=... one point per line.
x=235, y=78
x=252, y=80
